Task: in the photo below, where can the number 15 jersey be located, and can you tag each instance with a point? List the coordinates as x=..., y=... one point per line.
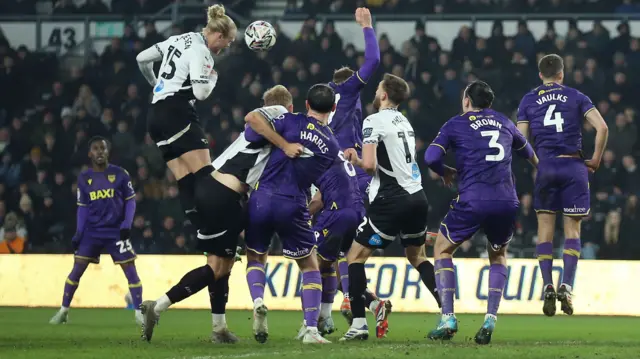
x=482, y=142
x=555, y=114
x=186, y=60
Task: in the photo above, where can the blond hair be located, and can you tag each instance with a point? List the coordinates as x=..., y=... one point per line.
x=277, y=95
x=218, y=21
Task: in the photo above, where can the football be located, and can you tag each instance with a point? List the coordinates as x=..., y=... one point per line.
x=260, y=36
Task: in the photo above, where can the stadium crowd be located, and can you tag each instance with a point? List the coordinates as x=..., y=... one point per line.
x=48, y=115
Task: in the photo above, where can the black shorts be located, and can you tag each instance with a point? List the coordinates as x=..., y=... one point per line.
x=174, y=126
x=227, y=218
x=387, y=218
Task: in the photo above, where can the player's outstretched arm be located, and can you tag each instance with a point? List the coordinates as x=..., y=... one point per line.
x=263, y=129
x=145, y=61
x=602, y=135
x=316, y=203
x=371, y=49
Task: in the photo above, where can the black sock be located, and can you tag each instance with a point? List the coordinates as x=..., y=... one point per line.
x=357, y=287
x=368, y=298
x=428, y=277
x=219, y=295
x=187, y=187
x=191, y=283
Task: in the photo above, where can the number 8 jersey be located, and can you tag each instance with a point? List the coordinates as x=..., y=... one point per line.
x=482, y=142
x=555, y=114
x=397, y=173
x=186, y=61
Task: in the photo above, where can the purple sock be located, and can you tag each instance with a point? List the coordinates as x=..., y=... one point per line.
x=446, y=282
x=570, y=257
x=497, y=281
x=71, y=284
x=135, y=285
x=329, y=284
x=544, y=252
x=256, y=279
x=343, y=268
x=311, y=296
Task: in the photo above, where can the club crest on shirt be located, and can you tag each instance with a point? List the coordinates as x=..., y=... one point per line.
x=111, y=178
x=367, y=132
x=89, y=181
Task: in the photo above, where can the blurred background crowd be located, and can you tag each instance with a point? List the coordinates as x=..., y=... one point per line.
x=47, y=114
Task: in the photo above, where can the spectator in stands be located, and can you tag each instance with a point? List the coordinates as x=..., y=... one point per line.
x=11, y=240
x=87, y=101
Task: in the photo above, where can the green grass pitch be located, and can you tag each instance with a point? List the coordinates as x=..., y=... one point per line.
x=111, y=333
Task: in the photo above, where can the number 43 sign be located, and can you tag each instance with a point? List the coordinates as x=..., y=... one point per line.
x=62, y=37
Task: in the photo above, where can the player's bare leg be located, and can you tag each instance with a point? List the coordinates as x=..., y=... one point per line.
x=544, y=252
x=417, y=256
x=70, y=286
x=570, y=257
x=135, y=288
x=357, y=257
x=311, y=297
x=256, y=278
x=497, y=281
x=329, y=290
x=446, y=281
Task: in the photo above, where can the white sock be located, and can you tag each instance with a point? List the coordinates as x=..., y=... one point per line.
x=312, y=329
x=138, y=312
x=162, y=304
x=374, y=305
x=258, y=302
x=566, y=286
x=345, y=295
x=219, y=321
x=487, y=316
x=64, y=309
x=325, y=310
x=359, y=322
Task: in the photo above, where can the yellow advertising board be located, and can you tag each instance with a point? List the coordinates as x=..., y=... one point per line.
x=601, y=288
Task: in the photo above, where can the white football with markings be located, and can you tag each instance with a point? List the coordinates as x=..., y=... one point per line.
x=260, y=36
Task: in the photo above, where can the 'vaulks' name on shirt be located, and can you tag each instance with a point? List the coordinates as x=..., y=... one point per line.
x=551, y=97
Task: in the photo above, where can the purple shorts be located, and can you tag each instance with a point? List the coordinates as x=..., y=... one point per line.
x=562, y=185
x=92, y=245
x=290, y=219
x=335, y=231
x=496, y=218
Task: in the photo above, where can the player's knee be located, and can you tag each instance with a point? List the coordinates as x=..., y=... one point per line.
x=415, y=259
x=358, y=253
x=256, y=257
x=572, y=227
x=195, y=160
x=308, y=263
x=179, y=168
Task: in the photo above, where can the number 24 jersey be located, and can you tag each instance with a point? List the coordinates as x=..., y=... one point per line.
x=482, y=142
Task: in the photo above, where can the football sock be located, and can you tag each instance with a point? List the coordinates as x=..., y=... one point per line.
x=135, y=285
x=191, y=283
x=357, y=287
x=570, y=257
x=544, y=252
x=497, y=281
x=71, y=284
x=256, y=279
x=428, y=276
x=311, y=296
x=446, y=281
x=343, y=269
x=329, y=284
x=370, y=299
x=187, y=185
x=218, y=297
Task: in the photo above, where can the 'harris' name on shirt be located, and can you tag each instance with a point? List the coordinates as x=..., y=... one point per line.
x=314, y=138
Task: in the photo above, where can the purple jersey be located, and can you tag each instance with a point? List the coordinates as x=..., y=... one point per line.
x=346, y=121
x=339, y=186
x=294, y=177
x=105, y=194
x=555, y=114
x=482, y=142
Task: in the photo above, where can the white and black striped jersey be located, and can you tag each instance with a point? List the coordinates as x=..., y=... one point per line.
x=398, y=173
x=246, y=160
x=186, y=61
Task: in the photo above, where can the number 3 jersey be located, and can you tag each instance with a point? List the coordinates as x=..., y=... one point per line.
x=186, y=60
x=482, y=142
x=397, y=172
x=555, y=114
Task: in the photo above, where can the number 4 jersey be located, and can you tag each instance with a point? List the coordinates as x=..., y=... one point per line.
x=555, y=114
x=482, y=142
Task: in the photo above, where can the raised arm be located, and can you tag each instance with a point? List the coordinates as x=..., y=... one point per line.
x=145, y=61
x=371, y=51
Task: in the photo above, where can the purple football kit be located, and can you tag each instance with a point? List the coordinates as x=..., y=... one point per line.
x=279, y=202
x=346, y=121
x=336, y=225
x=104, y=194
x=555, y=114
x=482, y=142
